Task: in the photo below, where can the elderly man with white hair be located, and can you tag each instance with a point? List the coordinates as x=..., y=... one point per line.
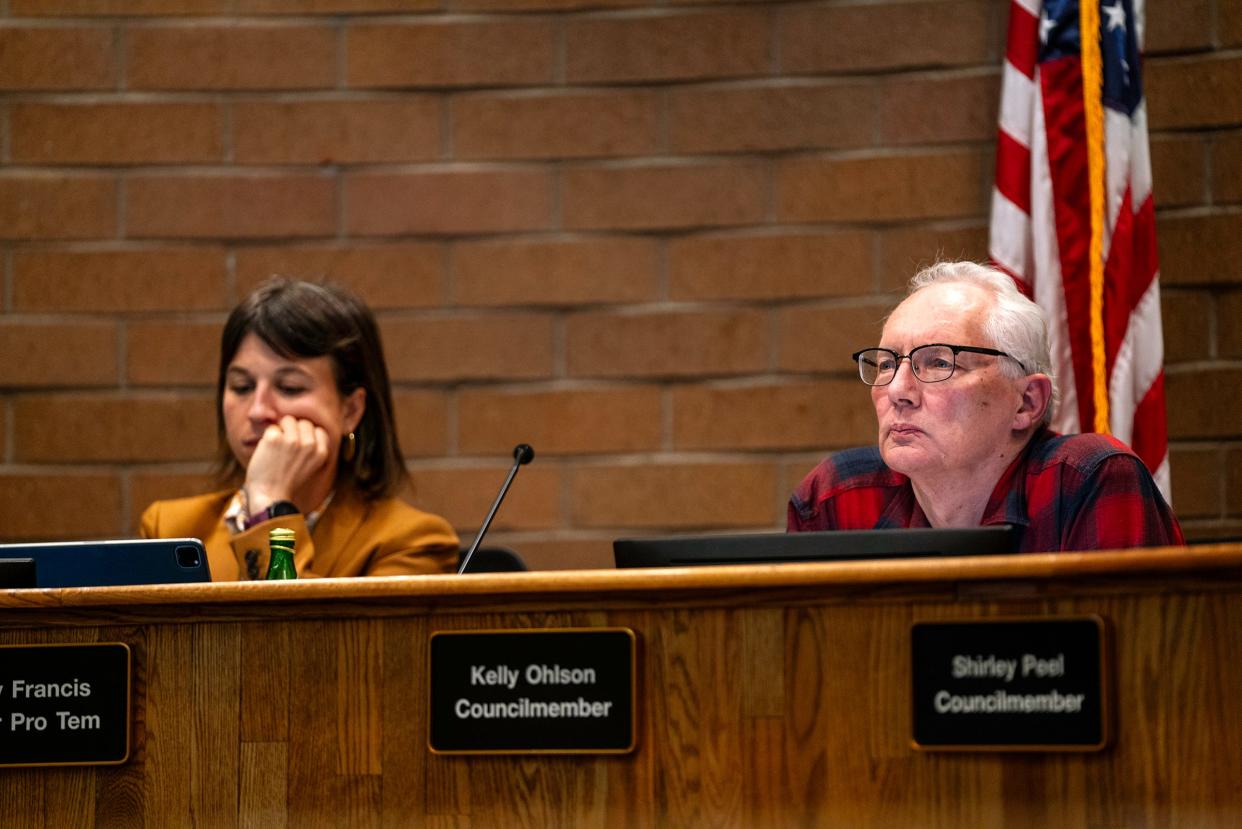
x=963, y=432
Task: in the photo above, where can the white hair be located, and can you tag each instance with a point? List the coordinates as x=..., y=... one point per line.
x=1015, y=324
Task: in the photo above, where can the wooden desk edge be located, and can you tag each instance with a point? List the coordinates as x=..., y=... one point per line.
x=603, y=583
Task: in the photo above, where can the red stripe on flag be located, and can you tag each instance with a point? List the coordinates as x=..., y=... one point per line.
x=1146, y=258
x=1128, y=273
x=1151, y=430
x=1023, y=44
x=1150, y=437
x=1013, y=171
x=1119, y=282
x=1061, y=87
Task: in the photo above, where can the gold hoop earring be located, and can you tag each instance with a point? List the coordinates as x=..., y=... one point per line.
x=351, y=447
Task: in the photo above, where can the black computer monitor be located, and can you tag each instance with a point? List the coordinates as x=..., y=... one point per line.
x=839, y=545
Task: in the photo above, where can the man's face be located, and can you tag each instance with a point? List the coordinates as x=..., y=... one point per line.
x=956, y=425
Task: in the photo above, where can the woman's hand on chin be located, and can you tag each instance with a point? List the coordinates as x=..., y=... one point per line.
x=289, y=456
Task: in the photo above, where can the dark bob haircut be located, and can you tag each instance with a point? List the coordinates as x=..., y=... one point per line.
x=304, y=319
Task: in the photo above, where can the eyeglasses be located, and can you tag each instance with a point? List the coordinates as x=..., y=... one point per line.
x=931, y=363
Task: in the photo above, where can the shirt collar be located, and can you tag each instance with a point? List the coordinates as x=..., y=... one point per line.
x=1008, y=503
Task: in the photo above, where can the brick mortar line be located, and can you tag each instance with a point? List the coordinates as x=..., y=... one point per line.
x=227, y=168
x=553, y=386
x=298, y=170
x=1199, y=211
x=1204, y=56
x=344, y=92
x=69, y=317
x=1205, y=445
x=1210, y=364
x=197, y=395
x=92, y=469
x=673, y=459
x=317, y=95
x=104, y=245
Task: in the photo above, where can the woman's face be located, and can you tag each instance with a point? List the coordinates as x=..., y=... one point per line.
x=261, y=387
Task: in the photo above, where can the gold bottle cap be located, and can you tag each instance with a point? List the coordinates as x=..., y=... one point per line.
x=281, y=535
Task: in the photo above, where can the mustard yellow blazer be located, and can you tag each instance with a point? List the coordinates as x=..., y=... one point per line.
x=353, y=537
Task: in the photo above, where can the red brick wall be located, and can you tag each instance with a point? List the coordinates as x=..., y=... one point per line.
x=641, y=236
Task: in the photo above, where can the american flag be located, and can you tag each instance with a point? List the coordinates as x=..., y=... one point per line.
x=1055, y=146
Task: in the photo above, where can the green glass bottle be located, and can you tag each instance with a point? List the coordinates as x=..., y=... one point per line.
x=280, y=541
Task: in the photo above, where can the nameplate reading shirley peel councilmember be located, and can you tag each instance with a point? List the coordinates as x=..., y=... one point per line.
x=1018, y=685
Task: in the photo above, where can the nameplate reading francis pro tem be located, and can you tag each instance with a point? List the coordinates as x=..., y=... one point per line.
x=64, y=705
x=1010, y=685
x=560, y=690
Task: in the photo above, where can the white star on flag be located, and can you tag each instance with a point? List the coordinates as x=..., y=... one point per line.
x=1116, y=16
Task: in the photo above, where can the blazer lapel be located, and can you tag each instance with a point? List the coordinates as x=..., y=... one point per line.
x=336, y=527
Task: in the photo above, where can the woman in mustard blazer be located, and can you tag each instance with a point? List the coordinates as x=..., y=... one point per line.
x=306, y=442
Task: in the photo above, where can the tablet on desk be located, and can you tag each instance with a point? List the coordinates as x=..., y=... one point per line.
x=100, y=563
x=837, y=545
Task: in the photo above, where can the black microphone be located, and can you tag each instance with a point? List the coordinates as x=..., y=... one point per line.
x=522, y=454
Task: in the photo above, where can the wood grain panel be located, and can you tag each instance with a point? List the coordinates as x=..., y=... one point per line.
x=265, y=682
x=782, y=704
x=763, y=662
x=215, y=677
x=262, y=792
x=169, y=723
x=359, y=684
x=69, y=798
x=312, y=715
x=403, y=721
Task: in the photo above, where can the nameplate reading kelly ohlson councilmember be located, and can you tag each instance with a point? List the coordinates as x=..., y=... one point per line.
x=558, y=690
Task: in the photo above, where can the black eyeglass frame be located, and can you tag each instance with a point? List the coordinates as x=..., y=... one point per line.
x=956, y=349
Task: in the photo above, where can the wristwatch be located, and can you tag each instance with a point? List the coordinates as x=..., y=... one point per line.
x=274, y=510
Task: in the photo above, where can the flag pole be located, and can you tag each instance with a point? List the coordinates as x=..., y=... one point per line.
x=1093, y=108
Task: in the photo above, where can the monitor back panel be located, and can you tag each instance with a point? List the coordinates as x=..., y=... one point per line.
x=839, y=545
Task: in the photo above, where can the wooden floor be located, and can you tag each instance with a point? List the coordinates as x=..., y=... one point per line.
x=769, y=696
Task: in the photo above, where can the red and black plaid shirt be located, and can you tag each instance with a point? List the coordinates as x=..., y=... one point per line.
x=1064, y=492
